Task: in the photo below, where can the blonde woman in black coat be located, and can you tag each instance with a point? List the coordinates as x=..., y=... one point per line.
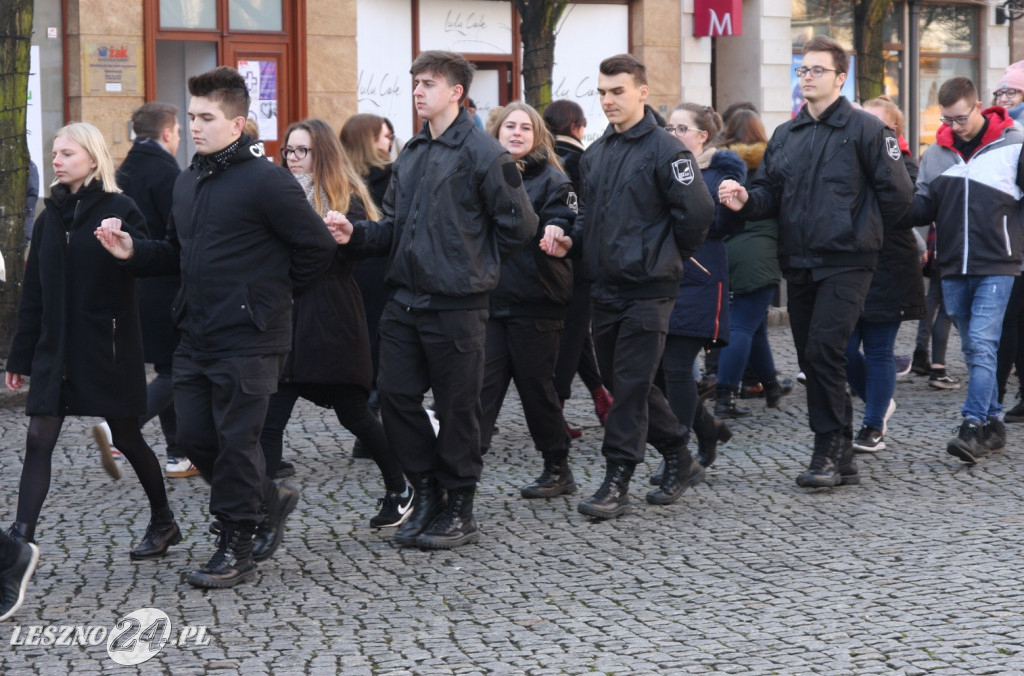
x=78, y=333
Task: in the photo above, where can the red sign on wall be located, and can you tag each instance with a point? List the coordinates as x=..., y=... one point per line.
x=713, y=18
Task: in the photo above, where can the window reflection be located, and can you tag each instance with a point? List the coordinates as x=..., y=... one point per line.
x=254, y=15
x=195, y=14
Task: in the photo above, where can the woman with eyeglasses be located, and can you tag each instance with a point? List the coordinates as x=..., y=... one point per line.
x=1010, y=92
x=330, y=359
x=700, y=318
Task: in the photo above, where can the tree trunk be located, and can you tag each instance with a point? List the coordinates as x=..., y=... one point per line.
x=15, y=36
x=868, y=16
x=539, y=20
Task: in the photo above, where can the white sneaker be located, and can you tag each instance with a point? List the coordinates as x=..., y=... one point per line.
x=434, y=422
x=101, y=434
x=180, y=468
x=888, y=414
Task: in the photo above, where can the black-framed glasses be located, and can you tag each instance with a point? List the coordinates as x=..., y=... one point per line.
x=1005, y=93
x=680, y=129
x=959, y=120
x=300, y=152
x=815, y=71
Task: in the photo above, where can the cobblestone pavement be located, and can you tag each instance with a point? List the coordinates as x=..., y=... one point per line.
x=917, y=570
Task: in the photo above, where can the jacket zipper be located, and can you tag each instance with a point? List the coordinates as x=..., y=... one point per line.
x=1006, y=237
x=67, y=267
x=113, y=337
x=967, y=201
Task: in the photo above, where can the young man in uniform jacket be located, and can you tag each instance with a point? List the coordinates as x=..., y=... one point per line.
x=832, y=177
x=970, y=184
x=147, y=175
x=646, y=211
x=454, y=209
x=245, y=239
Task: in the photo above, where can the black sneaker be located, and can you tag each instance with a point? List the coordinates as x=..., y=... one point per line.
x=284, y=470
x=869, y=440
x=15, y=571
x=394, y=507
x=921, y=364
x=994, y=435
x=968, y=444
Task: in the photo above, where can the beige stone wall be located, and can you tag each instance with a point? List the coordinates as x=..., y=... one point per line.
x=655, y=39
x=331, y=65
x=97, y=20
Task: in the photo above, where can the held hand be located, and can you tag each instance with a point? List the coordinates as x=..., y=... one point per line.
x=14, y=381
x=339, y=226
x=115, y=240
x=732, y=194
x=555, y=242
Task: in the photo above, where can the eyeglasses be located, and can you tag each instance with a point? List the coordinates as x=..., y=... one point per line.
x=816, y=71
x=1005, y=93
x=680, y=129
x=959, y=120
x=300, y=152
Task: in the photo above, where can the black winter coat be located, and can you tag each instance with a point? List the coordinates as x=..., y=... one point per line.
x=897, y=287
x=246, y=241
x=455, y=209
x=78, y=324
x=831, y=183
x=533, y=284
x=147, y=175
x=645, y=210
x=330, y=343
x=570, y=152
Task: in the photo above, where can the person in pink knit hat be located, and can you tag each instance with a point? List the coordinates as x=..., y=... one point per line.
x=1010, y=92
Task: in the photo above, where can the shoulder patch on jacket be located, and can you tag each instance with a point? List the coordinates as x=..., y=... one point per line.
x=892, y=146
x=572, y=202
x=512, y=174
x=683, y=171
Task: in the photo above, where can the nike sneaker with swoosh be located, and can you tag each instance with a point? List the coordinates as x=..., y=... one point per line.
x=394, y=508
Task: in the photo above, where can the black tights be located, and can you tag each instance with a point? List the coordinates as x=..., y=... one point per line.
x=43, y=431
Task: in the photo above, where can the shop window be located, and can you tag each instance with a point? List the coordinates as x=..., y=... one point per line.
x=188, y=14
x=254, y=15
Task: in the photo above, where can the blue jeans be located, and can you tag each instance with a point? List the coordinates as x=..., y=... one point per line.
x=748, y=339
x=872, y=373
x=976, y=304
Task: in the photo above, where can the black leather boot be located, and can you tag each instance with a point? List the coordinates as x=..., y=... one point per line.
x=710, y=431
x=270, y=531
x=848, y=474
x=969, y=443
x=823, y=471
x=774, y=391
x=455, y=526
x=18, y=559
x=232, y=563
x=161, y=533
x=427, y=504
x=993, y=434
x=726, y=406
x=612, y=498
x=555, y=480
x=22, y=532
x=681, y=472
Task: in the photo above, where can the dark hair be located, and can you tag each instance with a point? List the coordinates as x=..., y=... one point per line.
x=625, y=63
x=705, y=117
x=150, y=119
x=734, y=108
x=359, y=137
x=562, y=115
x=224, y=85
x=823, y=43
x=956, y=88
x=451, y=66
x=744, y=127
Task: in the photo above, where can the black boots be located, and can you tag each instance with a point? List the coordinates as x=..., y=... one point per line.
x=681, y=472
x=455, y=526
x=18, y=559
x=22, y=532
x=161, y=533
x=969, y=443
x=823, y=471
x=280, y=503
x=774, y=391
x=726, y=406
x=555, y=480
x=612, y=498
x=427, y=504
x=994, y=435
x=232, y=563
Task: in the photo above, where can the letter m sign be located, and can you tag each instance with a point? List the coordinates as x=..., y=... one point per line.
x=714, y=18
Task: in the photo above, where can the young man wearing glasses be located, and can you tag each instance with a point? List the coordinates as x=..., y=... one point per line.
x=833, y=177
x=970, y=183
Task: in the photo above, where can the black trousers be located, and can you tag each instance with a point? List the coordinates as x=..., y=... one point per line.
x=221, y=405
x=1011, y=342
x=576, y=347
x=524, y=349
x=442, y=351
x=629, y=337
x=822, y=315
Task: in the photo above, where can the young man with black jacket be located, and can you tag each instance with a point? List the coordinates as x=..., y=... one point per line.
x=646, y=210
x=833, y=177
x=455, y=208
x=245, y=240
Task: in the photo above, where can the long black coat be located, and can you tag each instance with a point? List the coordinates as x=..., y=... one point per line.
x=147, y=175
x=78, y=324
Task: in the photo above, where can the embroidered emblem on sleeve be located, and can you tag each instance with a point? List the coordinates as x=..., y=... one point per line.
x=572, y=202
x=683, y=171
x=892, y=146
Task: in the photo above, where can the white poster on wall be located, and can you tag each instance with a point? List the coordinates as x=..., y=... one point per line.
x=34, y=114
x=384, y=41
x=466, y=26
x=587, y=34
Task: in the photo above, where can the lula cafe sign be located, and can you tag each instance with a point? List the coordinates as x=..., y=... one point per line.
x=714, y=18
